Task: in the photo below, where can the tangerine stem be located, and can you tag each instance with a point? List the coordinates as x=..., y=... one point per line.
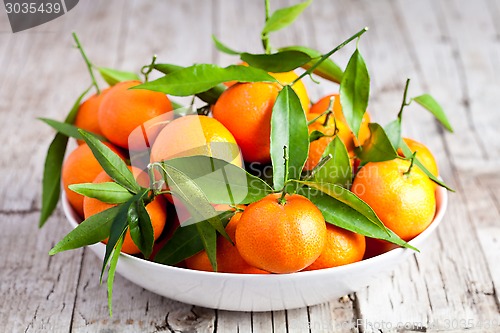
x=264, y=36
x=327, y=111
x=87, y=62
x=327, y=55
x=330, y=108
x=149, y=67
x=404, y=103
x=282, y=200
x=412, y=160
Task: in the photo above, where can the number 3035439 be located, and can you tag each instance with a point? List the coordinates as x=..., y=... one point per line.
x=32, y=8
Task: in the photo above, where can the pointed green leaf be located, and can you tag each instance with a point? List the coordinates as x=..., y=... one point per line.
x=338, y=169
x=315, y=135
x=51, y=183
x=199, y=78
x=220, y=181
x=113, y=76
x=68, y=129
x=393, y=132
x=197, y=203
x=223, y=48
x=109, y=192
x=111, y=273
x=283, y=17
x=350, y=199
x=328, y=69
x=378, y=147
x=344, y=216
x=288, y=128
x=279, y=62
x=118, y=228
x=185, y=242
x=141, y=229
x=93, y=230
x=430, y=104
x=354, y=91
x=210, y=96
x=114, y=166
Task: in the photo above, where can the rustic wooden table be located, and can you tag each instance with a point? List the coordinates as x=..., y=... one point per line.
x=449, y=47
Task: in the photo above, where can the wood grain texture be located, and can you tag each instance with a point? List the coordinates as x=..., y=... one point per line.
x=450, y=48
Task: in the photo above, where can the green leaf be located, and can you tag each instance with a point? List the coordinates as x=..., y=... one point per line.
x=111, y=273
x=199, y=78
x=210, y=96
x=113, y=76
x=220, y=181
x=407, y=152
x=378, y=147
x=204, y=215
x=51, y=183
x=118, y=228
x=430, y=104
x=328, y=69
x=279, y=62
x=93, y=230
x=68, y=129
x=114, y=166
x=315, y=135
x=223, y=48
x=141, y=229
x=208, y=237
x=108, y=192
x=354, y=91
x=344, y=216
x=393, y=132
x=185, y=243
x=283, y=17
x=350, y=199
x=338, y=169
x=288, y=128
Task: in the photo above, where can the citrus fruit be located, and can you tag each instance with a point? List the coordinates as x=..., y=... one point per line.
x=123, y=109
x=424, y=155
x=156, y=209
x=350, y=140
x=195, y=135
x=246, y=109
x=317, y=147
x=342, y=247
x=281, y=238
x=404, y=201
x=229, y=259
x=81, y=167
x=87, y=116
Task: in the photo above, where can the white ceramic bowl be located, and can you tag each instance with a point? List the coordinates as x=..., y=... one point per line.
x=254, y=292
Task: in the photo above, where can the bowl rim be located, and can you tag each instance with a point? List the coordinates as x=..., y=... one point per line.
x=441, y=206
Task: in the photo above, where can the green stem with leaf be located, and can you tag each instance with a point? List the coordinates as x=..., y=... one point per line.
x=146, y=70
x=329, y=54
x=265, y=37
x=87, y=62
x=404, y=102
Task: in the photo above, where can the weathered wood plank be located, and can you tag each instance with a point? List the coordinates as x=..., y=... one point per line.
x=36, y=290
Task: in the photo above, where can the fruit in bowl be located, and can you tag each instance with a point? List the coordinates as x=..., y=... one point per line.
x=255, y=192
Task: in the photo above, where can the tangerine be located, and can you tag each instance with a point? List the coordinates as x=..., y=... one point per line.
x=281, y=237
x=402, y=198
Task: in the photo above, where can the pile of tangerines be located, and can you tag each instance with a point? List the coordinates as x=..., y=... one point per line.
x=277, y=234
x=342, y=189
